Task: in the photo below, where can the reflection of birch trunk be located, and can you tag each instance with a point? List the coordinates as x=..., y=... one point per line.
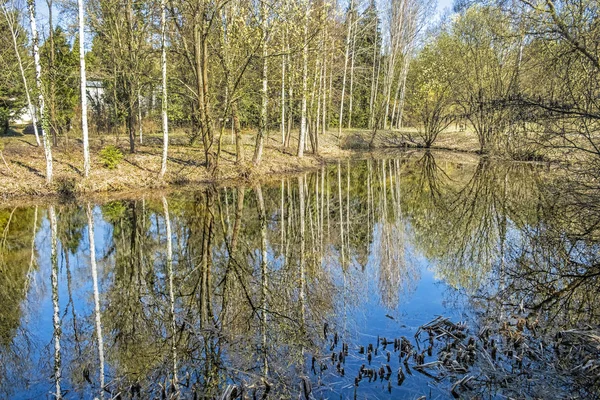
x=389, y=251
x=311, y=222
x=328, y=210
x=55, y=305
x=99, y=337
x=238, y=217
x=232, y=245
x=32, y=259
x=321, y=229
x=263, y=274
x=206, y=265
x=341, y=211
x=348, y=208
x=282, y=216
x=288, y=226
x=369, y=189
x=302, y=250
x=169, y=237
x=71, y=303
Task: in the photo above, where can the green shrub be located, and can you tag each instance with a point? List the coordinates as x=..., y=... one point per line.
x=111, y=156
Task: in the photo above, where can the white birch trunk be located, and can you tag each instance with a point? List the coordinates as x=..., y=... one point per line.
x=262, y=125
x=38, y=81
x=13, y=32
x=163, y=62
x=351, y=94
x=324, y=111
x=347, y=56
x=402, y=93
x=302, y=139
x=140, y=127
x=374, y=87
x=84, y=121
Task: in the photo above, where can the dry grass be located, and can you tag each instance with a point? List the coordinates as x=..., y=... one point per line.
x=26, y=176
x=26, y=173
x=450, y=139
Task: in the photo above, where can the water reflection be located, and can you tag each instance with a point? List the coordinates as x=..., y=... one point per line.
x=192, y=294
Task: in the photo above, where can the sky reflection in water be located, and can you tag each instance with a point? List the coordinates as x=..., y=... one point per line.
x=373, y=248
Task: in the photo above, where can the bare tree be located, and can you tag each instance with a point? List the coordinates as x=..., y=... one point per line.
x=12, y=26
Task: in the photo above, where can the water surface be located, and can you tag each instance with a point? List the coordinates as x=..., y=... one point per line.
x=191, y=294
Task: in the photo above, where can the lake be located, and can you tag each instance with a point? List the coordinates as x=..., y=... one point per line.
x=411, y=275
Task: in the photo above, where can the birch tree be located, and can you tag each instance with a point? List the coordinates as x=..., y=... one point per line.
x=163, y=67
x=262, y=124
x=13, y=26
x=38, y=82
x=346, y=58
x=303, y=126
x=83, y=83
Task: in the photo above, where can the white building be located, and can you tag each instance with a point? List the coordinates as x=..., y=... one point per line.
x=95, y=94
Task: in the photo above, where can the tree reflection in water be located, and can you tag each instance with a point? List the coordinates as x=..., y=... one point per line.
x=198, y=292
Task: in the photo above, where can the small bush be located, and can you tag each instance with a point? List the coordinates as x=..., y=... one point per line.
x=65, y=187
x=111, y=156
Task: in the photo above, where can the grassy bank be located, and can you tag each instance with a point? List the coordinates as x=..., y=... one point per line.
x=24, y=172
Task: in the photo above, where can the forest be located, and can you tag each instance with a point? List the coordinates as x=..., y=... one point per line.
x=222, y=79
x=299, y=199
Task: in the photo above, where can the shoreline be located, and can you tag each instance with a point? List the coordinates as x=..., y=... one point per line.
x=138, y=172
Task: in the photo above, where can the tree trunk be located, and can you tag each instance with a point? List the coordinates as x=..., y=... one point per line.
x=38, y=81
x=348, y=35
x=13, y=32
x=283, y=61
x=51, y=78
x=164, y=105
x=291, y=76
x=84, y=121
x=239, y=148
x=262, y=125
x=373, y=80
x=139, y=115
x=302, y=138
x=351, y=94
x=402, y=93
